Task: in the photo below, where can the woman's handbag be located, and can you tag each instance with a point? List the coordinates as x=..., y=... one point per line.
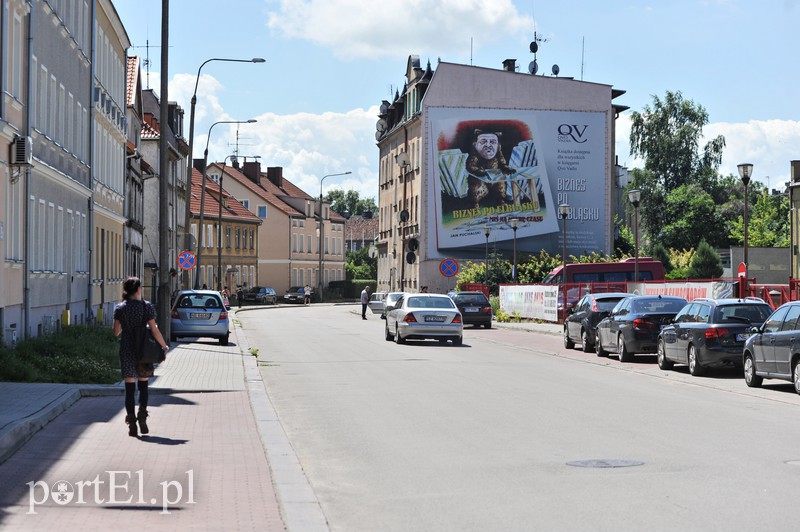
x=147, y=349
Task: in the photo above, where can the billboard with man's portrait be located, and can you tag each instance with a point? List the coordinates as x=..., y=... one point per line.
x=491, y=166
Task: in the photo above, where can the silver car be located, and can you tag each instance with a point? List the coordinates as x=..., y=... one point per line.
x=421, y=316
x=390, y=301
x=376, y=302
x=199, y=313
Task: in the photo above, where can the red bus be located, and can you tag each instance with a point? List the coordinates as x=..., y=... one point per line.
x=607, y=272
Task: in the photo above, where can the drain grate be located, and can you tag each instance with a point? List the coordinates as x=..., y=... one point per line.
x=605, y=463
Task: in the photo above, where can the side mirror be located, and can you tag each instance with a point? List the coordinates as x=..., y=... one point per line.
x=755, y=330
x=570, y=311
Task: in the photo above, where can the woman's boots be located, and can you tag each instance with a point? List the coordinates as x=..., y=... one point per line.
x=131, y=421
x=142, y=418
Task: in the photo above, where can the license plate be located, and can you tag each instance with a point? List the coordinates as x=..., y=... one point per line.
x=471, y=309
x=434, y=318
x=199, y=315
x=742, y=337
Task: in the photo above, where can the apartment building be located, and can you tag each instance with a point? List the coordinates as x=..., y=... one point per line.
x=137, y=170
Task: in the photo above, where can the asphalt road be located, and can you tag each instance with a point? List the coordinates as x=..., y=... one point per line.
x=479, y=437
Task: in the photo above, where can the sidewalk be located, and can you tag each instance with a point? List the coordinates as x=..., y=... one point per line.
x=216, y=457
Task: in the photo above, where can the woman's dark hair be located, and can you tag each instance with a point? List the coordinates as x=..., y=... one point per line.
x=130, y=287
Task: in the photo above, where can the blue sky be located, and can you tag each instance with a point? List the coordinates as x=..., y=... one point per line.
x=331, y=62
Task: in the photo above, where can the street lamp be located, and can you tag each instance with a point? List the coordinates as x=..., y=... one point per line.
x=635, y=196
x=219, y=216
x=187, y=219
x=514, y=224
x=486, y=231
x=321, y=230
x=203, y=195
x=745, y=171
x=563, y=210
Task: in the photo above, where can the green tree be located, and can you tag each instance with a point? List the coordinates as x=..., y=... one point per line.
x=349, y=202
x=624, y=244
x=768, y=225
x=693, y=216
x=659, y=252
x=359, y=265
x=705, y=262
x=667, y=136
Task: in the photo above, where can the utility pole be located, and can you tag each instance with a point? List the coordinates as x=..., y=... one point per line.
x=163, y=302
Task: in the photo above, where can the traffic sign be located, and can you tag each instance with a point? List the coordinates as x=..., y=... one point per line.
x=448, y=267
x=186, y=260
x=742, y=271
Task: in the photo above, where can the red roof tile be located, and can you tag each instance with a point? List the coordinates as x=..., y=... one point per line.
x=133, y=77
x=234, y=210
x=267, y=195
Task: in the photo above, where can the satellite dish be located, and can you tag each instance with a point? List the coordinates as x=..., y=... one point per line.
x=190, y=242
x=556, y=70
x=533, y=67
x=378, y=135
x=381, y=125
x=373, y=252
x=413, y=244
x=534, y=47
x=411, y=257
x=404, y=215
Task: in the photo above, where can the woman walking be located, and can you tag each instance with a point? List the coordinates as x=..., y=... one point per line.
x=131, y=313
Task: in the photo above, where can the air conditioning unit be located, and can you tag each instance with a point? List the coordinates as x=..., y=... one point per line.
x=21, y=150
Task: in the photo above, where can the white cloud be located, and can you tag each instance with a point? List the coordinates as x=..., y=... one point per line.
x=368, y=28
x=769, y=145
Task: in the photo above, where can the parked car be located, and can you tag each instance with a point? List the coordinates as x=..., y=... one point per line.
x=710, y=333
x=579, y=326
x=199, y=313
x=634, y=324
x=390, y=302
x=377, y=302
x=261, y=295
x=296, y=294
x=474, y=307
x=773, y=350
x=421, y=316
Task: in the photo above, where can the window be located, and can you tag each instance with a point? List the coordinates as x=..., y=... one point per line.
x=246, y=204
x=228, y=237
x=238, y=238
x=252, y=239
x=309, y=243
x=300, y=243
x=59, y=232
x=262, y=212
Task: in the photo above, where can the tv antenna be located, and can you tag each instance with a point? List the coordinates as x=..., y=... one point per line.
x=146, y=62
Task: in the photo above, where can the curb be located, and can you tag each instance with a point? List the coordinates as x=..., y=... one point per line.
x=300, y=508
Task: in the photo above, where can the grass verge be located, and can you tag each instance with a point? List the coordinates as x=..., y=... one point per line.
x=77, y=355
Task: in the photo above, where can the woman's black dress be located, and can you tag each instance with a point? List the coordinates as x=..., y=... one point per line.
x=133, y=313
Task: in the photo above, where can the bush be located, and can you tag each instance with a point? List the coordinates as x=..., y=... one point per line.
x=77, y=354
x=705, y=263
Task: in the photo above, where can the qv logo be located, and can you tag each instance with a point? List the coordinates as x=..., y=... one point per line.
x=572, y=133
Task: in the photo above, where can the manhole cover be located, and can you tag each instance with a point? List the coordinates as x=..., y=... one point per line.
x=605, y=463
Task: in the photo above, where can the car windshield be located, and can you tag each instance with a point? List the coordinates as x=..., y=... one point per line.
x=743, y=313
x=471, y=299
x=430, y=302
x=391, y=298
x=655, y=306
x=199, y=301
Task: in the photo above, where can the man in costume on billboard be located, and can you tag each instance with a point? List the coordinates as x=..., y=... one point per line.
x=486, y=154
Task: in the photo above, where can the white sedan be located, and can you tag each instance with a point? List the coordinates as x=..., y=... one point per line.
x=422, y=316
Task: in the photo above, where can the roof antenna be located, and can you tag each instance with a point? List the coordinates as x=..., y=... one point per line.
x=470, y=51
x=583, y=48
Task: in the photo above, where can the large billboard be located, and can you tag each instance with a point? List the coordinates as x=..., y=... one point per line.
x=490, y=166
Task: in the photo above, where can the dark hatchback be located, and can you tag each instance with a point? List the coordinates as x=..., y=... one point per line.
x=474, y=307
x=773, y=350
x=710, y=333
x=634, y=324
x=587, y=313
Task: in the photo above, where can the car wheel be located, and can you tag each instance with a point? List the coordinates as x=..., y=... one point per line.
x=661, y=357
x=457, y=340
x=397, y=338
x=754, y=381
x=442, y=340
x=568, y=343
x=487, y=325
x=622, y=351
x=695, y=369
x=598, y=347
x=224, y=339
x=796, y=376
x=387, y=335
x=585, y=345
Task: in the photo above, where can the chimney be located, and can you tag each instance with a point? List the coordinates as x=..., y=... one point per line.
x=510, y=65
x=795, y=171
x=197, y=164
x=252, y=169
x=275, y=174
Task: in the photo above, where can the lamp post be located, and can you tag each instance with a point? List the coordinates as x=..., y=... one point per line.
x=321, y=230
x=187, y=216
x=203, y=195
x=219, y=216
x=486, y=231
x=745, y=171
x=635, y=197
x=514, y=224
x=563, y=210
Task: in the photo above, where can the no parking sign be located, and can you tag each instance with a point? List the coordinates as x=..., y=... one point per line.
x=448, y=267
x=186, y=260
